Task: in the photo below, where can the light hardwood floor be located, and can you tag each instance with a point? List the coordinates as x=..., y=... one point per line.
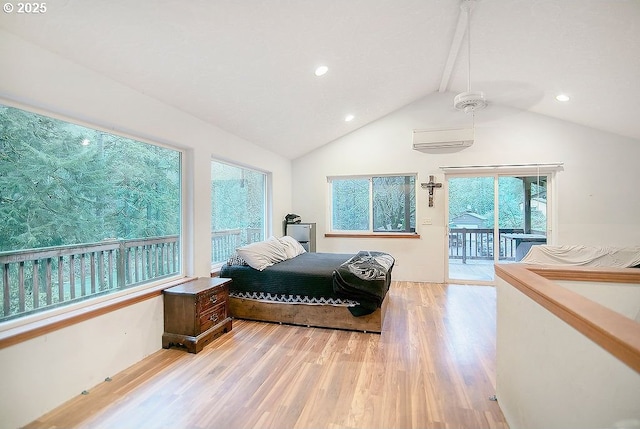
x=433, y=366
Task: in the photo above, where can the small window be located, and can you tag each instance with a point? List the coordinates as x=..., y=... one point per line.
x=238, y=208
x=373, y=204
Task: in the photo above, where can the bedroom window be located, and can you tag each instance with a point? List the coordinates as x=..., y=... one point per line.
x=382, y=203
x=238, y=208
x=85, y=213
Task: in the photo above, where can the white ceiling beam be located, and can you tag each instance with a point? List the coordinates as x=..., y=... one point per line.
x=461, y=29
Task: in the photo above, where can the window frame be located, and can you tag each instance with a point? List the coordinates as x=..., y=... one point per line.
x=267, y=189
x=549, y=170
x=370, y=232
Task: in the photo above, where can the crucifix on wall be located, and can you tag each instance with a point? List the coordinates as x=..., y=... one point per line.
x=431, y=185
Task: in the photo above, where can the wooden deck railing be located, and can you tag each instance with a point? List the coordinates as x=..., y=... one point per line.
x=38, y=279
x=477, y=243
x=34, y=280
x=225, y=242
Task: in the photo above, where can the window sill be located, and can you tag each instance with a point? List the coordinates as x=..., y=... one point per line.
x=215, y=269
x=374, y=235
x=33, y=329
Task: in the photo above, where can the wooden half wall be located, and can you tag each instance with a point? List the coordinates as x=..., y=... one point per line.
x=563, y=359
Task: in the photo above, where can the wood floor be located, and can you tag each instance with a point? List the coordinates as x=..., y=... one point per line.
x=433, y=366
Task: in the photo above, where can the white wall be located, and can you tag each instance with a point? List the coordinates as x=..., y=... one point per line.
x=597, y=196
x=44, y=372
x=563, y=380
x=623, y=298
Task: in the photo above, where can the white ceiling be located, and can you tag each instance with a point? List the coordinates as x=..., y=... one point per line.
x=247, y=66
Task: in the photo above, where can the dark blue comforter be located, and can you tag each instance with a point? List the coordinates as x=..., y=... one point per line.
x=318, y=276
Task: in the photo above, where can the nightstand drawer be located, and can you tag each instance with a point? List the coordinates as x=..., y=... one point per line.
x=211, y=298
x=212, y=317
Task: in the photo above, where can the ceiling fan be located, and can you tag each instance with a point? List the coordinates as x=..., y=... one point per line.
x=469, y=101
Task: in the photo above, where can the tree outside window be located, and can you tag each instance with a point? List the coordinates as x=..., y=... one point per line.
x=373, y=203
x=83, y=212
x=238, y=208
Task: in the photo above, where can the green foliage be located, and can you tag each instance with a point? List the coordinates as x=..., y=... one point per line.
x=350, y=204
x=394, y=205
x=471, y=196
x=476, y=195
x=238, y=198
x=62, y=183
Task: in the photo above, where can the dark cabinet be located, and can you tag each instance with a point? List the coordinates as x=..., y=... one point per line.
x=195, y=313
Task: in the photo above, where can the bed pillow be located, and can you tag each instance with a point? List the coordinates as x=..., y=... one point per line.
x=262, y=254
x=235, y=259
x=291, y=246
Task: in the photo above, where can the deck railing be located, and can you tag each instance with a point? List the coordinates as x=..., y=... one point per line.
x=225, y=242
x=38, y=279
x=477, y=244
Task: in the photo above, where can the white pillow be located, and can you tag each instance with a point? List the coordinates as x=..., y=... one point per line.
x=291, y=246
x=262, y=254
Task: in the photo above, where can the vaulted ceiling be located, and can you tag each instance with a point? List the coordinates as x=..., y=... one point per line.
x=248, y=66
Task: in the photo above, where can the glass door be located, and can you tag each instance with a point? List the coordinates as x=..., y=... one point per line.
x=471, y=220
x=493, y=218
x=522, y=215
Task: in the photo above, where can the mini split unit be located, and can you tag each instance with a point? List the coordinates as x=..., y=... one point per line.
x=427, y=140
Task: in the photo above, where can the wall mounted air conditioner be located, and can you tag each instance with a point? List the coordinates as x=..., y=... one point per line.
x=426, y=140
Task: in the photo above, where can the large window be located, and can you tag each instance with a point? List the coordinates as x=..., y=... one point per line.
x=373, y=204
x=238, y=208
x=82, y=212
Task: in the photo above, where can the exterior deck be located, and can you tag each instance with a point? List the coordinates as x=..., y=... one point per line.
x=471, y=251
x=38, y=279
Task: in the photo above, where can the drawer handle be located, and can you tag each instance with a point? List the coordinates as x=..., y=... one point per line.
x=213, y=318
x=214, y=298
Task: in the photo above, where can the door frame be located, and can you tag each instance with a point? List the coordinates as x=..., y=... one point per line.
x=496, y=171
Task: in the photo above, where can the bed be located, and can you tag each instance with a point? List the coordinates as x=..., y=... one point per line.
x=329, y=290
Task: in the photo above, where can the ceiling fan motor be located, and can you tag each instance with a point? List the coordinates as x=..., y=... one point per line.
x=470, y=101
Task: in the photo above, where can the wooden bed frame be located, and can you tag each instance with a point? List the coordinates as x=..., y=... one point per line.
x=322, y=316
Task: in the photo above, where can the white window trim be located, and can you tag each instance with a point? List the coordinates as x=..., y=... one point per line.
x=370, y=232
x=512, y=169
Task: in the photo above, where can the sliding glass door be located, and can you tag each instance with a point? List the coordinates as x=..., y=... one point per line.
x=522, y=215
x=493, y=218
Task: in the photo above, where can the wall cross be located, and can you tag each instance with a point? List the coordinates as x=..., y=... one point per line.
x=431, y=185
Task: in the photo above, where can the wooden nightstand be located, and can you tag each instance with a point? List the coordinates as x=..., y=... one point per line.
x=195, y=313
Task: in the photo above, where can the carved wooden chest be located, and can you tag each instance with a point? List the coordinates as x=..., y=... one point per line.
x=195, y=313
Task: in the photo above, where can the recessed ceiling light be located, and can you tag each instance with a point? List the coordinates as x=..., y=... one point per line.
x=349, y=118
x=321, y=70
x=562, y=97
